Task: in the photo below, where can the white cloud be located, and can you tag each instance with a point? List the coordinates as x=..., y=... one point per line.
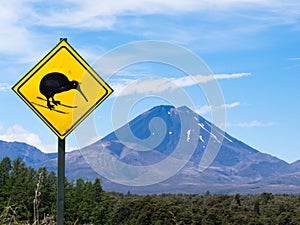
x=253, y=123
x=18, y=133
x=207, y=108
x=200, y=79
x=25, y=26
x=204, y=109
x=14, y=35
x=142, y=86
x=20, y=20
x=294, y=59
x=103, y=14
x=4, y=87
x=158, y=85
x=232, y=105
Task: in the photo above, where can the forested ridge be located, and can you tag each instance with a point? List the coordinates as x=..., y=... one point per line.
x=28, y=196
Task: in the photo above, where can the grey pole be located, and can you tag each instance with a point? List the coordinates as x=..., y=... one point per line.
x=60, y=178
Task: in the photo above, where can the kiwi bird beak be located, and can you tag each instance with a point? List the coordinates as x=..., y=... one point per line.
x=80, y=91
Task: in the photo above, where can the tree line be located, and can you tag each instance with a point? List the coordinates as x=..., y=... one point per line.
x=28, y=196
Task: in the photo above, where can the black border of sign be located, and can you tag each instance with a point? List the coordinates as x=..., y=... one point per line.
x=90, y=70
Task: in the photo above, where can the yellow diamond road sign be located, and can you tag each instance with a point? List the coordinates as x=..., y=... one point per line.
x=62, y=89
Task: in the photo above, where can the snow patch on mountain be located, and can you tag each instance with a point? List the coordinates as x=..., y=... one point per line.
x=201, y=138
x=215, y=137
x=188, y=135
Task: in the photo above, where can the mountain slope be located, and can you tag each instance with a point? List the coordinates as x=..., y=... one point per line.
x=29, y=154
x=234, y=157
x=173, y=143
x=235, y=164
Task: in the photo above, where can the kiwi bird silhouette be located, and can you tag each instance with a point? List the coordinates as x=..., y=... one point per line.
x=54, y=83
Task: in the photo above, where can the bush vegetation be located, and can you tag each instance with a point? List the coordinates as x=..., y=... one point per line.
x=28, y=196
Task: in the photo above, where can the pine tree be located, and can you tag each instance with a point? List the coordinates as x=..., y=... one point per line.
x=5, y=167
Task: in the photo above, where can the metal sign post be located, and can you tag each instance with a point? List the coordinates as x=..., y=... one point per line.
x=64, y=75
x=60, y=181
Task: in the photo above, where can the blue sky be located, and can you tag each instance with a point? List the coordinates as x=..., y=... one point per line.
x=252, y=47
